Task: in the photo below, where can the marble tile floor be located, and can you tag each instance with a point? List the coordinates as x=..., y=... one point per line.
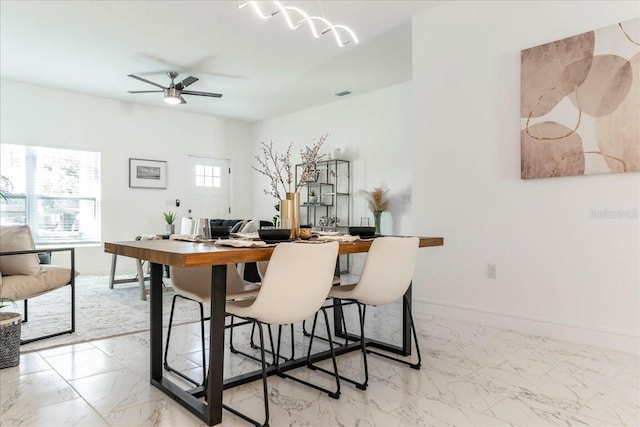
x=472, y=376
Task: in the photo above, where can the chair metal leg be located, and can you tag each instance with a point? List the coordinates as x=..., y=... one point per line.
x=204, y=354
x=418, y=364
x=293, y=345
x=264, y=387
x=55, y=334
x=231, y=347
x=335, y=394
x=26, y=311
x=73, y=294
x=253, y=344
x=363, y=348
x=166, y=349
x=235, y=350
x=344, y=328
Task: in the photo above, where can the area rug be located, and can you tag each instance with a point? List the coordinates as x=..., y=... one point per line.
x=100, y=312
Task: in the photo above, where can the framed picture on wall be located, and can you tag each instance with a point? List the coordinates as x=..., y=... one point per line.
x=147, y=173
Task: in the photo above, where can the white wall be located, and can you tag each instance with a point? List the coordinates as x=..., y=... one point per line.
x=560, y=273
x=374, y=132
x=119, y=130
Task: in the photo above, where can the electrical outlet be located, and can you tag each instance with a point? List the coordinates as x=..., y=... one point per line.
x=491, y=271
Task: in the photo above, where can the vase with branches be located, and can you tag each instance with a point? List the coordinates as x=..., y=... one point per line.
x=279, y=168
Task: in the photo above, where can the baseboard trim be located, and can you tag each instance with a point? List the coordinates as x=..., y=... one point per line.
x=611, y=339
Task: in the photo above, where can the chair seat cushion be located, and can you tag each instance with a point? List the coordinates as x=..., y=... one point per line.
x=343, y=291
x=249, y=290
x=19, y=287
x=195, y=283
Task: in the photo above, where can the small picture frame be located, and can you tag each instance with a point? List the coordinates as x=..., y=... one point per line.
x=147, y=173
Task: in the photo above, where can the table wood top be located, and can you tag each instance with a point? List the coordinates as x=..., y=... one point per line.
x=190, y=254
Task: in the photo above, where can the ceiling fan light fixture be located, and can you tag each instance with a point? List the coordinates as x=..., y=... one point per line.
x=172, y=96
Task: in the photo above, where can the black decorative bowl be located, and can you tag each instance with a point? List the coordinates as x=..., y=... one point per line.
x=220, y=231
x=271, y=235
x=362, y=231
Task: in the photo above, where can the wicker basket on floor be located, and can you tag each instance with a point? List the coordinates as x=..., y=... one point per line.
x=9, y=339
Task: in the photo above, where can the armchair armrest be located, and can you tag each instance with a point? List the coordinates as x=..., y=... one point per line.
x=50, y=277
x=35, y=251
x=71, y=250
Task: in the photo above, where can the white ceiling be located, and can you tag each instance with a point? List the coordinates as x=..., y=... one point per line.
x=263, y=68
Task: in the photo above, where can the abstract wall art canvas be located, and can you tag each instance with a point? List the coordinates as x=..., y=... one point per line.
x=580, y=104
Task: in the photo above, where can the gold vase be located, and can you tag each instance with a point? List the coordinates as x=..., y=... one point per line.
x=286, y=212
x=294, y=211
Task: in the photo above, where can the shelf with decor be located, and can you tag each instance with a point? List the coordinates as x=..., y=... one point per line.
x=326, y=199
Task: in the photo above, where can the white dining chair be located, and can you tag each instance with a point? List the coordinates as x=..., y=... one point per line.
x=194, y=284
x=262, y=268
x=294, y=287
x=386, y=276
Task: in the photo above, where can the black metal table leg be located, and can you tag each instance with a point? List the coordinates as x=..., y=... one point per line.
x=156, y=322
x=211, y=411
x=406, y=322
x=216, y=343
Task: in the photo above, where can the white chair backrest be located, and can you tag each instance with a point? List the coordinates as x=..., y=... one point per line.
x=262, y=268
x=388, y=270
x=195, y=282
x=296, y=282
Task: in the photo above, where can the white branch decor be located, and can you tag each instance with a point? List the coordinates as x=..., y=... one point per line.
x=290, y=12
x=279, y=169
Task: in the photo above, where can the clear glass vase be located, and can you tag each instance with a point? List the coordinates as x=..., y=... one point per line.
x=376, y=220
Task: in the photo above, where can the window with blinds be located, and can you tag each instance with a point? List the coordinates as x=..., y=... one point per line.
x=55, y=191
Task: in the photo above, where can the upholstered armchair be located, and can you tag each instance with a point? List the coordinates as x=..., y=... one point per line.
x=22, y=277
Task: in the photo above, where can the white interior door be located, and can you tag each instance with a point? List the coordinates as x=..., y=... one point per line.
x=208, y=187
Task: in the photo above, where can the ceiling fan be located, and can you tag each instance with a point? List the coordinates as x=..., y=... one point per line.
x=173, y=93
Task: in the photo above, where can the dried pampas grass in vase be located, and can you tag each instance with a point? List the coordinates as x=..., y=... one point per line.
x=377, y=202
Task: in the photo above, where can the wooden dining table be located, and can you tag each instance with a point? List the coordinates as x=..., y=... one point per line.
x=192, y=254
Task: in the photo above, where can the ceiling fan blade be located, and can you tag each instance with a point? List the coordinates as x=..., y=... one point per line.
x=182, y=100
x=189, y=81
x=192, y=92
x=133, y=76
x=145, y=91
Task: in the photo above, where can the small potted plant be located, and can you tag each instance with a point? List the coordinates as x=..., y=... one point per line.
x=9, y=336
x=313, y=197
x=169, y=218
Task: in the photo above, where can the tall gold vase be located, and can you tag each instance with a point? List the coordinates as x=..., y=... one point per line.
x=294, y=211
x=286, y=212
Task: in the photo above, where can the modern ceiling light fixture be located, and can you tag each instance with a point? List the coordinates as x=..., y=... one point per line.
x=290, y=12
x=173, y=93
x=172, y=96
